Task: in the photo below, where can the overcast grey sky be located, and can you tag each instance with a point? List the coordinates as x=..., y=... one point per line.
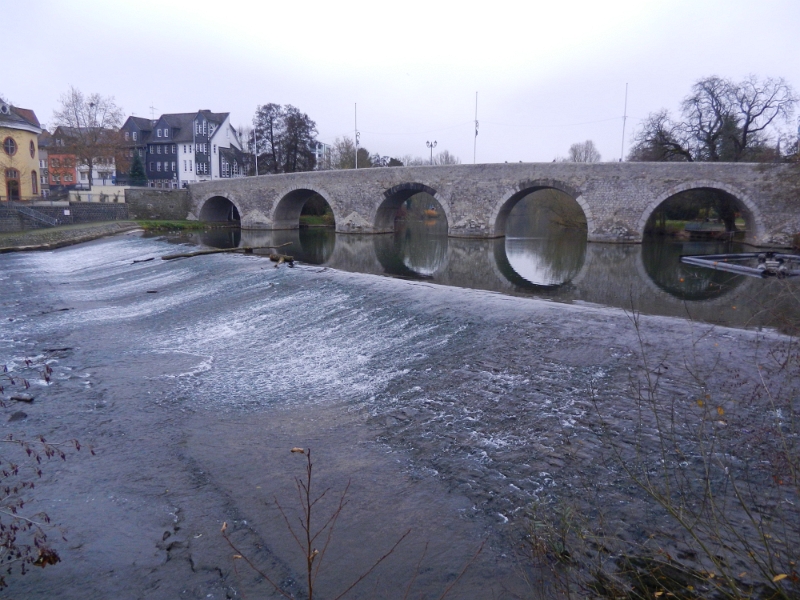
x=547, y=73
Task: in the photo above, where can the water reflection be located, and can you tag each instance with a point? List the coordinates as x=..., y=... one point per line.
x=313, y=245
x=417, y=249
x=648, y=277
x=547, y=261
x=225, y=237
x=662, y=263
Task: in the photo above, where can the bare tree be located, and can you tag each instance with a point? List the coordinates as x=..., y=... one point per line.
x=414, y=161
x=660, y=139
x=722, y=120
x=90, y=127
x=584, y=152
x=445, y=158
x=759, y=104
x=343, y=154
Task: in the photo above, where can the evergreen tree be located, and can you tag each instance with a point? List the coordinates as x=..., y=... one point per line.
x=138, y=176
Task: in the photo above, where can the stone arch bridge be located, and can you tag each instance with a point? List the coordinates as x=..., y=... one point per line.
x=617, y=198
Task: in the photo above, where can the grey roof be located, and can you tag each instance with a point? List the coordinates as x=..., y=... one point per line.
x=18, y=116
x=45, y=139
x=183, y=123
x=141, y=122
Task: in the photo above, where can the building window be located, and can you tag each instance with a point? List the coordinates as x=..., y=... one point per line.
x=135, y=136
x=43, y=179
x=127, y=135
x=215, y=148
x=83, y=176
x=173, y=166
x=33, y=149
x=141, y=153
x=174, y=148
x=57, y=178
x=166, y=132
x=158, y=166
x=68, y=177
x=184, y=167
x=34, y=183
x=190, y=166
x=12, y=174
x=10, y=146
x=158, y=149
x=42, y=163
x=152, y=166
x=159, y=133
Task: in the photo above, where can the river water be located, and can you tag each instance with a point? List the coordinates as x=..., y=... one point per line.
x=557, y=265
x=450, y=409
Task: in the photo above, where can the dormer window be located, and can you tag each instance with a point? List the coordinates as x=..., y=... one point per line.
x=158, y=132
x=166, y=132
x=127, y=135
x=135, y=135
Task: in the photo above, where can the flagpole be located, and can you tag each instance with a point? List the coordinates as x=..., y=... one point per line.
x=475, y=142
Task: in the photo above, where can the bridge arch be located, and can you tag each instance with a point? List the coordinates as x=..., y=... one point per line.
x=290, y=202
x=502, y=208
x=219, y=208
x=394, y=197
x=752, y=215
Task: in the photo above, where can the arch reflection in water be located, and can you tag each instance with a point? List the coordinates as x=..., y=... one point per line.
x=545, y=238
x=547, y=261
x=663, y=266
x=417, y=249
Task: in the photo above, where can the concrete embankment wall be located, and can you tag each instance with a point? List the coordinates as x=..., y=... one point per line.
x=12, y=220
x=149, y=203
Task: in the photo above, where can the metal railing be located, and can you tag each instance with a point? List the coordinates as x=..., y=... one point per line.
x=33, y=214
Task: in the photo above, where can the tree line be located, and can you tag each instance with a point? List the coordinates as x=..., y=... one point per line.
x=284, y=140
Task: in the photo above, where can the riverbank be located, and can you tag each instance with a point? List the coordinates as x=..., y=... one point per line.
x=51, y=238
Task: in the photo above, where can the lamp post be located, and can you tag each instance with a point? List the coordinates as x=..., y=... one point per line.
x=431, y=145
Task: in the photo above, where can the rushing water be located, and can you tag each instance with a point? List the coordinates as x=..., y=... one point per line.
x=450, y=409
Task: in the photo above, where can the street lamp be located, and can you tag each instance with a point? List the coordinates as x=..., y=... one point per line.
x=431, y=145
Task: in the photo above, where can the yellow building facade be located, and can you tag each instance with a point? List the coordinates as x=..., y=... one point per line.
x=19, y=154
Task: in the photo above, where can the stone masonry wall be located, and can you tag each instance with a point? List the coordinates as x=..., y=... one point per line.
x=149, y=203
x=80, y=212
x=617, y=198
